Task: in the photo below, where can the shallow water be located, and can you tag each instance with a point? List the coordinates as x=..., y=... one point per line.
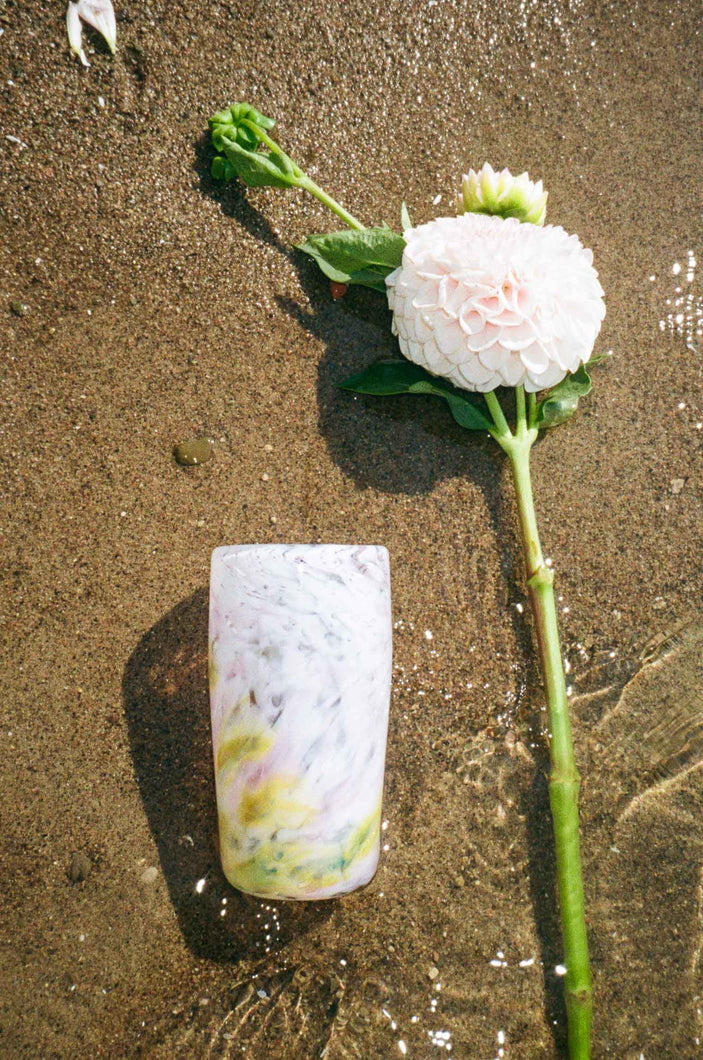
x=158, y=307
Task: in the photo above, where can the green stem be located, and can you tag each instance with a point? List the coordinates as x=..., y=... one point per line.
x=532, y=410
x=563, y=777
x=502, y=431
x=306, y=182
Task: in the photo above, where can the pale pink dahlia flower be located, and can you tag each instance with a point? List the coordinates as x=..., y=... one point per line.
x=487, y=301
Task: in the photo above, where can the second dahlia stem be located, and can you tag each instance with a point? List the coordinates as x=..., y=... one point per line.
x=564, y=779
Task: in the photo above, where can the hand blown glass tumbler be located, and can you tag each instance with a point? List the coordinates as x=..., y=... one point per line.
x=300, y=675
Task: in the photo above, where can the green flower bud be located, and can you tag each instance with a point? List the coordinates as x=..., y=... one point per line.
x=503, y=194
x=227, y=124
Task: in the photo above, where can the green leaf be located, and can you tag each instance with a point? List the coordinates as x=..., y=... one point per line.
x=562, y=400
x=373, y=278
x=259, y=169
x=365, y=256
x=405, y=221
x=386, y=377
x=403, y=377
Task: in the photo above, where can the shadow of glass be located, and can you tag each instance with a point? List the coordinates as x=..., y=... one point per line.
x=165, y=694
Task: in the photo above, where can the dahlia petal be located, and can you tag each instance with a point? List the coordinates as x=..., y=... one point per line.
x=542, y=381
x=493, y=358
x=474, y=373
x=75, y=32
x=561, y=354
x=415, y=352
x=483, y=339
x=449, y=337
x=423, y=330
x=471, y=322
x=508, y=319
x=486, y=301
x=427, y=297
x=435, y=359
x=101, y=16
x=518, y=337
x=512, y=370
x=535, y=358
x=456, y=297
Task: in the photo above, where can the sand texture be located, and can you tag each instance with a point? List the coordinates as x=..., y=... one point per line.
x=144, y=307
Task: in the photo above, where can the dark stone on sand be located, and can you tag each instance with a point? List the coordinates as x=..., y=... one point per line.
x=194, y=451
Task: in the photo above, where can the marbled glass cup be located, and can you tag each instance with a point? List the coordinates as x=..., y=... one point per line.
x=300, y=675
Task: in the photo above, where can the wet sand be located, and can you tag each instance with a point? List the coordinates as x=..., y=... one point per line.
x=142, y=305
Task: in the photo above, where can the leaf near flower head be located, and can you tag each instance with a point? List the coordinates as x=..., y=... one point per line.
x=363, y=257
x=562, y=400
x=403, y=377
x=405, y=221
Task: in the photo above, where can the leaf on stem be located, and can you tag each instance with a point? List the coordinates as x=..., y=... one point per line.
x=403, y=377
x=405, y=221
x=364, y=257
x=562, y=400
x=256, y=168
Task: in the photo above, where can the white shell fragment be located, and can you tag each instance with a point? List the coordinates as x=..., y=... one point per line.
x=99, y=14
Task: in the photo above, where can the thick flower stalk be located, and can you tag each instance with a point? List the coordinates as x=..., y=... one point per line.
x=488, y=302
x=485, y=300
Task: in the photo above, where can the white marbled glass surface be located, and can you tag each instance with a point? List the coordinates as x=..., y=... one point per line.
x=300, y=675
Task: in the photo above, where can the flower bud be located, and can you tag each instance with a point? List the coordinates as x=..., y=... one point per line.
x=503, y=194
x=228, y=123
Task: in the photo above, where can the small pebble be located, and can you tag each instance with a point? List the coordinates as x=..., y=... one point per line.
x=268, y=448
x=459, y=881
x=337, y=290
x=432, y=972
x=20, y=309
x=80, y=868
x=676, y=485
x=264, y=477
x=149, y=875
x=194, y=451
